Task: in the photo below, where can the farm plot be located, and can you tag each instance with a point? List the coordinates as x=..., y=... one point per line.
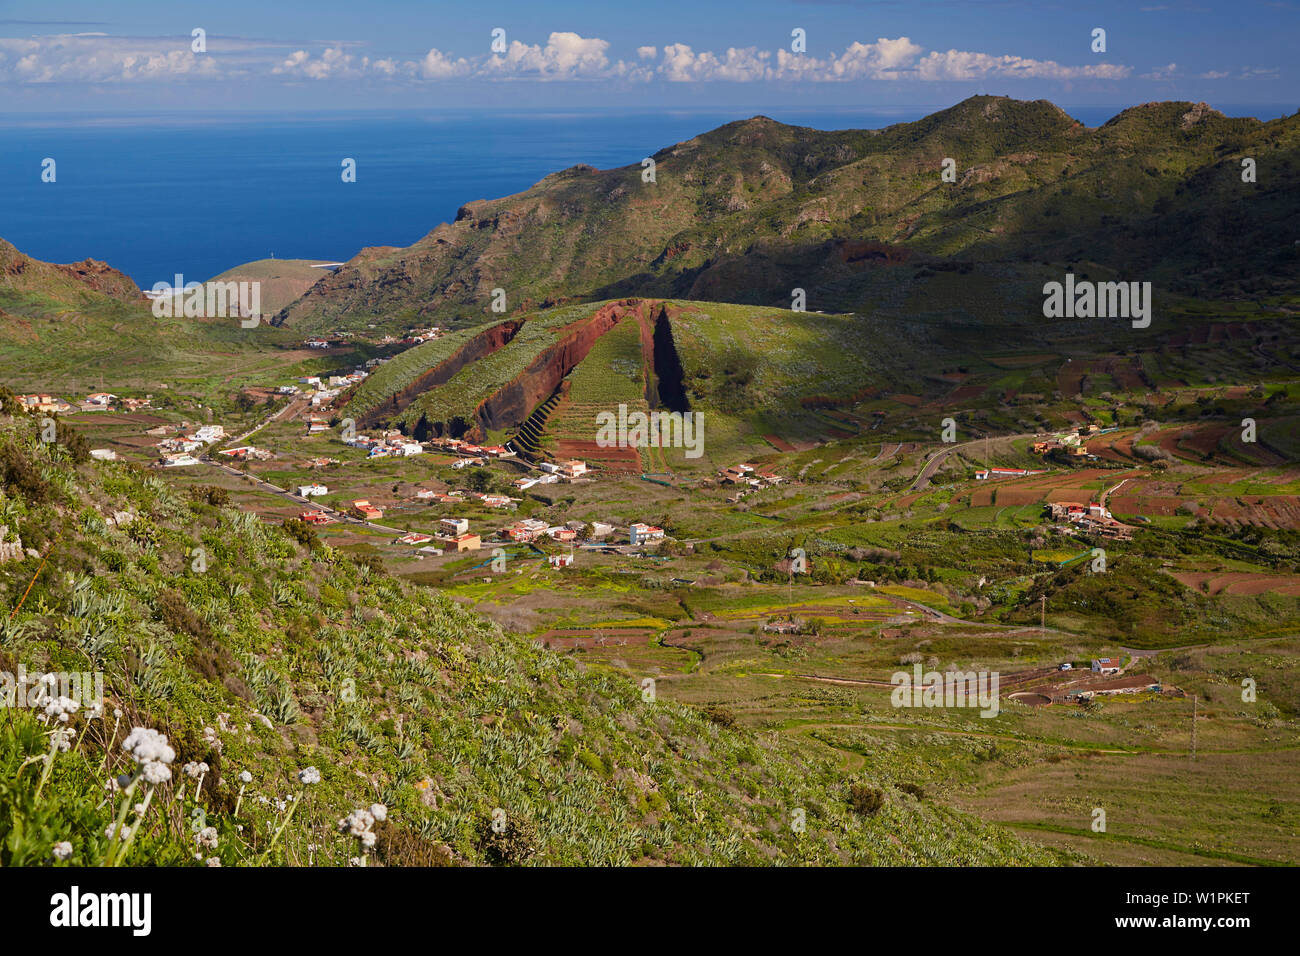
x=1240, y=582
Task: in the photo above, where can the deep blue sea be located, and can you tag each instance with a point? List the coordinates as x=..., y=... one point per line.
x=160, y=194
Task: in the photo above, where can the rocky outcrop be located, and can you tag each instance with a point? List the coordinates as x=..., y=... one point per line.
x=22, y=271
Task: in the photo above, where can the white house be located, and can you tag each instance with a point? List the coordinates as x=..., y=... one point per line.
x=640, y=533
x=312, y=491
x=1105, y=665
x=454, y=526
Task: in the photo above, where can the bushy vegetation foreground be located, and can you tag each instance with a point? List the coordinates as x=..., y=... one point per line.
x=271, y=701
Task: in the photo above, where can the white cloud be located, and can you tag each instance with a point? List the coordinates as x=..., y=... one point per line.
x=1162, y=72
x=1214, y=75
x=95, y=58
x=565, y=56
x=963, y=65
x=437, y=65
x=681, y=64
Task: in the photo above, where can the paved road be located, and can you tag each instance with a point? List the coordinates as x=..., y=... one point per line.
x=927, y=472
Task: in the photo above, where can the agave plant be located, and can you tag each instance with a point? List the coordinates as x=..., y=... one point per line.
x=149, y=675
x=95, y=638
x=283, y=706
x=13, y=630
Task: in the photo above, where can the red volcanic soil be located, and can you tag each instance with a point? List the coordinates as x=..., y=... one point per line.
x=1143, y=505
x=959, y=396
x=627, y=460
x=1274, y=511
x=612, y=637
x=912, y=400
x=1070, y=377
x=512, y=403
x=1118, y=449
x=780, y=444
x=1018, y=496
x=1239, y=582
x=1204, y=441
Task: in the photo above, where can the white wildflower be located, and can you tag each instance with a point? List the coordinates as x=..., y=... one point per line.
x=157, y=773
x=122, y=835
x=61, y=708
x=379, y=812
x=207, y=837
x=357, y=822
x=148, y=746
x=309, y=775
x=62, y=850
x=245, y=777
x=213, y=861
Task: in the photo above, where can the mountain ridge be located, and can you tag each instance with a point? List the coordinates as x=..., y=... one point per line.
x=1022, y=169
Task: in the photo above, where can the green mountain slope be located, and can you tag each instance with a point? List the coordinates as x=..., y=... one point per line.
x=753, y=209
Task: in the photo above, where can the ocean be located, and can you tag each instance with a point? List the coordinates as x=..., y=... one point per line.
x=156, y=195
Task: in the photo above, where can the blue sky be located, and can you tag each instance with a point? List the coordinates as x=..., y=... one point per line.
x=135, y=55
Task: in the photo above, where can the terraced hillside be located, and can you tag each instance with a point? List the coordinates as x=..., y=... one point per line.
x=614, y=373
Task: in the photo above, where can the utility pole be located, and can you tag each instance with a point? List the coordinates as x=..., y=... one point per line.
x=1042, y=620
x=1194, y=701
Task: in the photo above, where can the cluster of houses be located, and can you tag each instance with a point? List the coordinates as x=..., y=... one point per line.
x=459, y=446
x=324, y=389
x=1072, y=443
x=413, y=336
x=553, y=472
x=175, y=451
x=1092, y=518
x=247, y=453
x=390, y=444
x=749, y=478
x=94, y=402
x=747, y=474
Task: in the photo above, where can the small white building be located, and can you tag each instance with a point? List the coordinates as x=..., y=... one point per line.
x=454, y=526
x=312, y=491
